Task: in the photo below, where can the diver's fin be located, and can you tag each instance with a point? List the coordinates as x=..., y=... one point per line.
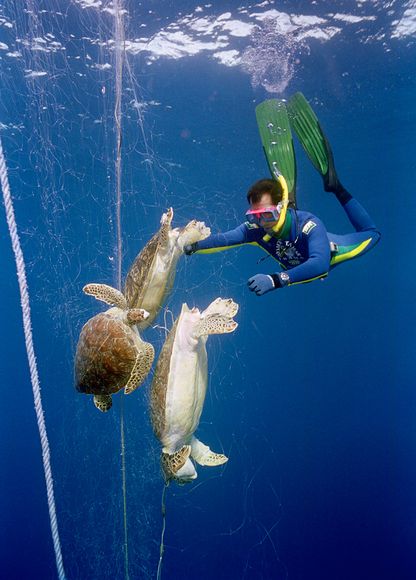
x=276, y=137
x=313, y=140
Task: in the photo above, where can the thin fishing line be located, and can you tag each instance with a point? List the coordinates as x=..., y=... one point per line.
x=162, y=536
x=34, y=376
x=123, y=474
x=119, y=58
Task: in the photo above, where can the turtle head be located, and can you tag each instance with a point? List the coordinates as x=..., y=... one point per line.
x=167, y=217
x=103, y=402
x=136, y=315
x=186, y=310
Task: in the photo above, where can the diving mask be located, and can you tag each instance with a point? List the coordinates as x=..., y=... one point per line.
x=264, y=215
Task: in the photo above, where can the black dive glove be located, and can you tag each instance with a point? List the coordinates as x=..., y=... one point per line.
x=262, y=283
x=190, y=249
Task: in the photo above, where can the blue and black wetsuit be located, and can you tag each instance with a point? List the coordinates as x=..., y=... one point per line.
x=304, y=249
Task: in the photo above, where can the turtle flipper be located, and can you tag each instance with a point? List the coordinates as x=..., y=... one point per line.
x=216, y=325
x=194, y=231
x=218, y=317
x=172, y=463
x=223, y=306
x=164, y=230
x=141, y=368
x=204, y=456
x=103, y=402
x=106, y=294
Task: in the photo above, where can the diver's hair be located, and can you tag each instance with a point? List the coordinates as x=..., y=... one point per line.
x=258, y=189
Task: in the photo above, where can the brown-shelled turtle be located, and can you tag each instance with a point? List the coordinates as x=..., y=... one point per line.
x=150, y=278
x=179, y=386
x=110, y=353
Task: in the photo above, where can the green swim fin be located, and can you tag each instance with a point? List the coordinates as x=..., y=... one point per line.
x=276, y=137
x=313, y=140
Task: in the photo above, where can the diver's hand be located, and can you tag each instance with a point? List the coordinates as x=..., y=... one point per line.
x=261, y=284
x=190, y=249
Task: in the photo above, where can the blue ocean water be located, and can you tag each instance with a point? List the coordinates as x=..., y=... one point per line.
x=312, y=398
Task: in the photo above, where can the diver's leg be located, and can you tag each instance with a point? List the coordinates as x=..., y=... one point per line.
x=358, y=215
x=361, y=241
x=352, y=245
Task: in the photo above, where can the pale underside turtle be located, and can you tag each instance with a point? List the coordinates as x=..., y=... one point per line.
x=110, y=353
x=151, y=276
x=179, y=387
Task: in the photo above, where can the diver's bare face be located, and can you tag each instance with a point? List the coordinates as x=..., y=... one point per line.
x=265, y=201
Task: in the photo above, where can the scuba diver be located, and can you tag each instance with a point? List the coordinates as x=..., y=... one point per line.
x=296, y=239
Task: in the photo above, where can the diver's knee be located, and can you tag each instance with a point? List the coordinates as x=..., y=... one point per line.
x=375, y=235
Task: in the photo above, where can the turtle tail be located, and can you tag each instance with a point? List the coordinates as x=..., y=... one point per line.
x=103, y=402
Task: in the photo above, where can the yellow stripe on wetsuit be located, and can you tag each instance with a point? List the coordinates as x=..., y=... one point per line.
x=338, y=258
x=221, y=248
x=341, y=256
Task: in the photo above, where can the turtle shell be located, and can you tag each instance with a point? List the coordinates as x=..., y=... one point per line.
x=105, y=356
x=137, y=277
x=160, y=382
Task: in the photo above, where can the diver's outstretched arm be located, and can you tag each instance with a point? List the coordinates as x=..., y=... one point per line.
x=219, y=242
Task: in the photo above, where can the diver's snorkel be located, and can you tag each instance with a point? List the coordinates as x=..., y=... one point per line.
x=277, y=228
x=276, y=137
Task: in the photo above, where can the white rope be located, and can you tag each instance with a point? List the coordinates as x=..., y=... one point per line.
x=27, y=325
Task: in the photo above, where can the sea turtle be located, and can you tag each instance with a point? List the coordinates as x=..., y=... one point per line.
x=151, y=276
x=179, y=385
x=110, y=353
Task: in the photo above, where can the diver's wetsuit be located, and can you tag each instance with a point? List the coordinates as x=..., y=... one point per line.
x=304, y=248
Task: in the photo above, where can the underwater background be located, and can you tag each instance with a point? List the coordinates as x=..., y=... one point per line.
x=313, y=397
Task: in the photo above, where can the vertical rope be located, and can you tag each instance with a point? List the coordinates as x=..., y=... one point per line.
x=162, y=536
x=34, y=377
x=123, y=475
x=119, y=54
